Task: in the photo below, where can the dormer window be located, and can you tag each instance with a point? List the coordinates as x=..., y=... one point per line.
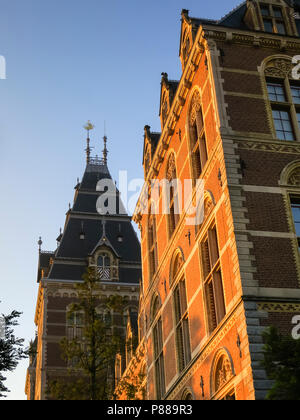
x=273, y=19
x=104, y=266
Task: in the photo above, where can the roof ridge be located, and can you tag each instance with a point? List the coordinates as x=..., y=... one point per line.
x=232, y=11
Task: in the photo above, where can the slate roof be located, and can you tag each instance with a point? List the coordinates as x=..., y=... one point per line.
x=70, y=258
x=235, y=18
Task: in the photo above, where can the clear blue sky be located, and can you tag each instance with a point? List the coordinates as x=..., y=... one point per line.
x=69, y=61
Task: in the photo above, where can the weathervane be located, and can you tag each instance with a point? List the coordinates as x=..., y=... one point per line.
x=88, y=127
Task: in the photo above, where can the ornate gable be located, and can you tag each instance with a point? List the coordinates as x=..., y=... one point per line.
x=167, y=94
x=150, y=144
x=189, y=28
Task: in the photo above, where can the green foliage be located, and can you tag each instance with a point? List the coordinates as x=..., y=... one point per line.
x=11, y=349
x=133, y=387
x=92, y=355
x=282, y=364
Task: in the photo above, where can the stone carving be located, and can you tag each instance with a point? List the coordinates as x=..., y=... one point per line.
x=279, y=67
x=294, y=178
x=195, y=107
x=223, y=373
x=164, y=111
x=171, y=171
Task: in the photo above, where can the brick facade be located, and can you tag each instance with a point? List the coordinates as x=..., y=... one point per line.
x=247, y=183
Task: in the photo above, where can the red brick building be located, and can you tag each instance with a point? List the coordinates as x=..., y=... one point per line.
x=210, y=290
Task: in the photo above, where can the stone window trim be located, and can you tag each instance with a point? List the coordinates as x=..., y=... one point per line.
x=181, y=325
x=290, y=185
x=158, y=356
x=173, y=217
x=222, y=375
x=158, y=345
x=107, y=271
x=212, y=278
x=209, y=204
x=152, y=247
x=278, y=85
x=176, y=267
x=155, y=308
x=196, y=135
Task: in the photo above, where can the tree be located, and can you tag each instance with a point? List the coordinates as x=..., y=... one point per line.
x=282, y=364
x=91, y=356
x=11, y=348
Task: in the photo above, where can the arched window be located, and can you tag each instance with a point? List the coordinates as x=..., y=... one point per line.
x=152, y=246
x=198, y=147
x=173, y=195
x=182, y=325
x=213, y=284
x=156, y=305
x=158, y=349
x=104, y=266
x=176, y=265
x=222, y=375
x=284, y=98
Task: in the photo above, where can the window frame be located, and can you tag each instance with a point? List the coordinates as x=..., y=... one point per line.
x=198, y=141
x=181, y=325
x=158, y=358
x=289, y=105
x=213, y=287
x=152, y=247
x=295, y=197
x=275, y=20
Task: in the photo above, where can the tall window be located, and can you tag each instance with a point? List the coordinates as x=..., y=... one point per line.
x=152, y=246
x=158, y=347
x=75, y=324
x=173, y=210
x=104, y=266
x=182, y=326
x=284, y=97
x=273, y=19
x=295, y=204
x=213, y=284
x=197, y=137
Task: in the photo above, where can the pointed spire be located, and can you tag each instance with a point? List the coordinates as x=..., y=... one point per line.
x=40, y=243
x=105, y=151
x=88, y=127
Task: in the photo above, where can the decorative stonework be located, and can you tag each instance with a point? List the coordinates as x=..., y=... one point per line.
x=279, y=67
x=270, y=147
x=294, y=178
x=164, y=111
x=223, y=373
x=279, y=307
x=195, y=107
x=171, y=169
